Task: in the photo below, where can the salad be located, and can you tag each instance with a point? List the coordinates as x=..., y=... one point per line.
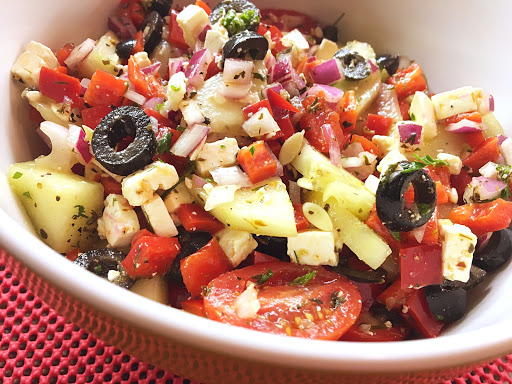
x=245, y=165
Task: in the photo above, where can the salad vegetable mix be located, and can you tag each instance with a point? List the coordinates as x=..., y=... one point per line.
x=244, y=165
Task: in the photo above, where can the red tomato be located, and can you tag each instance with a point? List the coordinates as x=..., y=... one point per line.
x=203, y=5
x=194, y=218
x=323, y=308
x=257, y=161
x=376, y=224
x=162, y=121
x=73, y=254
x=287, y=20
x=408, y=81
x=260, y=258
x=105, y=89
x=367, y=145
x=146, y=85
x=487, y=151
x=59, y=86
x=278, y=101
x=421, y=265
x=394, y=296
x=93, y=116
x=275, y=36
x=418, y=315
x=300, y=220
x=132, y=9
x=483, y=217
x=253, y=108
x=64, y=53
x=176, y=33
x=348, y=111
x=194, y=306
x=149, y=255
x=378, y=125
x=460, y=182
x=111, y=186
x=377, y=332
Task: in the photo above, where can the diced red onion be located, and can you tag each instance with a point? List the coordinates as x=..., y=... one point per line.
x=202, y=36
x=279, y=169
x=334, y=147
x=282, y=71
x=465, y=126
x=270, y=63
x=135, y=97
x=237, y=71
x=198, y=182
x=333, y=95
x=373, y=67
x=328, y=72
x=76, y=137
x=491, y=185
x=294, y=191
x=486, y=104
x=501, y=139
x=152, y=69
x=419, y=233
x=387, y=103
x=175, y=65
x=488, y=188
x=85, y=84
x=122, y=26
x=410, y=133
x=234, y=91
x=79, y=53
x=276, y=87
x=353, y=150
x=153, y=102
x=483, y=240
x=230, y=176
x=189, y=140
x=197, y=68
x=352, y=162
x=491, y=103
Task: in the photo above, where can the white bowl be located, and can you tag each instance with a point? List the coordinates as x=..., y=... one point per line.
x=460, y=42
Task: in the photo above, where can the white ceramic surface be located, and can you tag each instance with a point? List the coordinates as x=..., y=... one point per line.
x=457, y=42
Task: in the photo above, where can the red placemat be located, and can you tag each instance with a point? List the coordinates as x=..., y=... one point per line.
x=39, y=346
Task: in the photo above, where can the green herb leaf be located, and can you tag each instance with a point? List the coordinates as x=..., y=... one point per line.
x=259, y=76
x=97, y=269
x=263, y=278
x=396, y=235
x=423, y=162
x=181, y=129
x=314, y=107
x=190, y=169
x=303, y=280
x=411, y=140
x=175, y=88
x=236, y=23
x=80, y=213
x=423, y=208
x=336, y=300
x=27, y=194
x=164, y=144
x=159, y=106
x=252, y=149
x=413, y=117
x=17, y=175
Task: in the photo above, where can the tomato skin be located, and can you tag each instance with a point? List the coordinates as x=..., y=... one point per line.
x=194, y=306
x=487, y=151
x=483, y=217
x=175, y=32
x=472, y=116
x=64, y=53
x=418, y=315
x=146, y=85
x=378, y=125
x=408, y=81
x=279, y=301
x=420, y=266
x=93, y=116
x=395, y=296
x=355, y=333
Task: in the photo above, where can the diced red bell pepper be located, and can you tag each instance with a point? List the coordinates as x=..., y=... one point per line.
x=162, y=121
x=203, y=5
x=275, y=36
x=347, y=111
x=489, y=150
x=260, y=258
x=73, y=254
x=194, y=306
x=367, y=145
x=253, y=108
x=408, y=81
x=300, y=220
x=256, y=160
x=146, y=85
x=105, y=89
x=287, y=128
x=93, y=116
x=421, y=265
x=59, y=86
x=460, y=182
x=431, y=235
x=369, y=292
x=472, y=116
x=214, y=66
x=394, y=296
x=194, y=218
x=203, y=266
x=274, y=146
x=419, y=317
x=64, y=52
x=404, y=109
x=483, y=217
x=376, y=224
x=175, y=32
x=474, y=139
x=278, y=101
x=132, y=9
x=139, y=43
x=378, y=125
x=110, y=186
x=149, y=255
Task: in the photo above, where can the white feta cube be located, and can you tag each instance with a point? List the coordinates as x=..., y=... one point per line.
x=261, y=123
x=26, y=69
x=295, y=38
x=192, y=20
x=326, y=50
x=158, y=217
x=58, y=113
x=178, y=196
x=237, y=245
x=119, y=222
x=451, y=103
x=422, y=112
x=458, y=244
x=454, y=162
x=140, y=186
x=221, y=153
x=386, y=144
x=313, y=248
x=216, y=38
x=506, y=150
x=176, y=89
x=192, y=113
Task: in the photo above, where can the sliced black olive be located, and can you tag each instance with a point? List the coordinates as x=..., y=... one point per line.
x=163, y=7
x=100, y=261
x=476, y=276
x=355, y=66
x=273, y=246
x=389, y=63
x=496, y=252
x=447, y=305
x=124, y=48
x=239, y=6
x=152, y=29
x=331, y=32
x=190, y=243
x=118, y=124
x=390, y=199
x=246, y=43
x=372, y=276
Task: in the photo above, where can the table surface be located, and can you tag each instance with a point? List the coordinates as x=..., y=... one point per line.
x=39, y=346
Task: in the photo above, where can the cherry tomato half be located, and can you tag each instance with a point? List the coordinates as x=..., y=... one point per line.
x=323, y=307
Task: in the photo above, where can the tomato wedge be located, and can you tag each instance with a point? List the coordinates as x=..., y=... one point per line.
x=324, y=307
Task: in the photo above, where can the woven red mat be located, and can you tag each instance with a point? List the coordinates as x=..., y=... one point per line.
x=39, y=346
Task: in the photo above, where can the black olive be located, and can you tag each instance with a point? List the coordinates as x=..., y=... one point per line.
x=152, y=29
x=331, y=32
x=190, y=243
x=447, y=305
x=476, y=276
x=390, y=199
x=273, y=246
x=389, y=63
x=355, y=66
x=163, y=7
x=122, y=122
x=496, y=252
x=100, y=261
x=124, y=48
x=246, y=43
x=239, y=6
x=371, y=276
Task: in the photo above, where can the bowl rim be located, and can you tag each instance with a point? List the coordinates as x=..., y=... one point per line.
x=412, y=355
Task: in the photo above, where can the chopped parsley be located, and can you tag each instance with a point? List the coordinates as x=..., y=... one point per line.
x=223, y=146
x=336, y=300
x=263, y=278
x=181, y=129
x=252, y=149
x=164, y=144
x=314, y=107
x=17, y=175
x=80, y=213
x=236, y=23
x=175, y=88
x=423, y=208
x=411, y=140
x=27, y=194
x=303, y=280
x=259, y=76
x=504, y=172
x=421, y=163
x=97, y=269
x=413, y=117
x=396, y=235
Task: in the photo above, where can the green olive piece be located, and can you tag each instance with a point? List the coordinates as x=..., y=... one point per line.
x=118, y=124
